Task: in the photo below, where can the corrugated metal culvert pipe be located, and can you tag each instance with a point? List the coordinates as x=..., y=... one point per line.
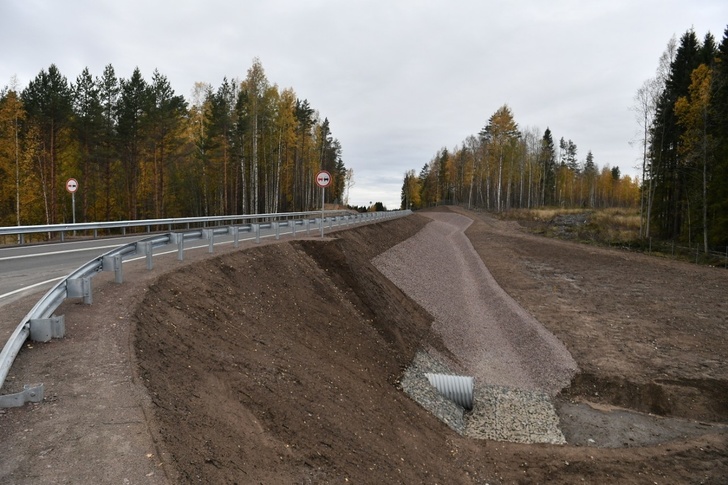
x=458, y=389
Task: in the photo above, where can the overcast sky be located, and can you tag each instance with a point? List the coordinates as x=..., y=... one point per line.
x=398, y=80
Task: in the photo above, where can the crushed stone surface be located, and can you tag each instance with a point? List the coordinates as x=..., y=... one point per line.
x=517, y=364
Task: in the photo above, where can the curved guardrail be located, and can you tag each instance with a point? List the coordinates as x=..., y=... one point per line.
x=41, y=325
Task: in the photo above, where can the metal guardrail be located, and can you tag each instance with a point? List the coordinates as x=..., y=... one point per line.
x=170, y=224
x=41, y=325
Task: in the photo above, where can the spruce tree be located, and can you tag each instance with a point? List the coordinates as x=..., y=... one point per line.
x=671, y=185
x=547, y=160
x=718, y=125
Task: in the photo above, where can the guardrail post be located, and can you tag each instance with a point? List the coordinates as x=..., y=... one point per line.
x=277, y=229
x=308, y=227
x=146, y=249
x=44, y=329
x=178, y=238
x=210, y=235
x=235, y=231
x=80, y=288
x=113, y=263
x=293, y=227
x=256, y=231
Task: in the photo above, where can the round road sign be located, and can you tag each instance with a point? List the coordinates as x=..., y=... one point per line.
x=71, y=185
x=323, y=179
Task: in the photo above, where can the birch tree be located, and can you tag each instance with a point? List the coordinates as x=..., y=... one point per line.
x=253, y=88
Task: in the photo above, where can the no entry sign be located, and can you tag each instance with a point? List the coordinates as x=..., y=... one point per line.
x=323, y=179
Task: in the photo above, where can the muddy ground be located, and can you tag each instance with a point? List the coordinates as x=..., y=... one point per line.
x=280, y=364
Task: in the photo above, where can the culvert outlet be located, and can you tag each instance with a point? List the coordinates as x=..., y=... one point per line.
x=458, y=389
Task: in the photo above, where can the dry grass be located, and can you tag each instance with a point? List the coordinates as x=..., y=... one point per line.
x=544, y=215
x=610, y=226
x=626, y=219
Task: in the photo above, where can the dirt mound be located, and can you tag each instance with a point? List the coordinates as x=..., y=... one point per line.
x=280, y=364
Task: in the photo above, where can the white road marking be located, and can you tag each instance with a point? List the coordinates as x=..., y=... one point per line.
x=19, y=290
x=55, y=253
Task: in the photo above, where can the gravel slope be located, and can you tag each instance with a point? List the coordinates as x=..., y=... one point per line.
x=517, y=364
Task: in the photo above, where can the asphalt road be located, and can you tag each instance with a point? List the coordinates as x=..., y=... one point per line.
x=28, y=269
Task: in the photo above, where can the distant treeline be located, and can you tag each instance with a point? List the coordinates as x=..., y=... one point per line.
x=139, y=150
x=683, y=118
x=504, y=168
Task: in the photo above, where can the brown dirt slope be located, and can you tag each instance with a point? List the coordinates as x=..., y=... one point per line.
x=649, y=334
x=280, y=364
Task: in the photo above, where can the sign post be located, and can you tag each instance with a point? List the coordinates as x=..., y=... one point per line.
x=323, y=180
x=72, y=187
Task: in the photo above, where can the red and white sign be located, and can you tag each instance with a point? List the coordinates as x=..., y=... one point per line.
x=323, y=179
x=71, y=185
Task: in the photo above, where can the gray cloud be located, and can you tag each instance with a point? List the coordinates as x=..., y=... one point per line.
x=398, y=80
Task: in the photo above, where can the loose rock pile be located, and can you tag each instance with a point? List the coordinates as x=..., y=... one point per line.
x=499, y=413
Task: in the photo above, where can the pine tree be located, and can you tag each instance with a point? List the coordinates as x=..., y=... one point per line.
x=88, y=130
x=133, y=109
x=108, y=151
x=165, y=120
x=302, y=174
x=47, y=101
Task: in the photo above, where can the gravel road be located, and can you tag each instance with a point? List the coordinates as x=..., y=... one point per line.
x=517, y=364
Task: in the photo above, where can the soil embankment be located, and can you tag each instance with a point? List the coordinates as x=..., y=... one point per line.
x=281, y=365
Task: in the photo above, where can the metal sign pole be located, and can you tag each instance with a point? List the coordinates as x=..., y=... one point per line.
x=322, y=211
x=323, y=179
x=72, y=187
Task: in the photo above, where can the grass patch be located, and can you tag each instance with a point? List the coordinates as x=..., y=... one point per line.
x=612, y=226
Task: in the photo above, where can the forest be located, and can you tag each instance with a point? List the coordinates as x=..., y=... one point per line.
x=682, y=195
x=139, y=150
